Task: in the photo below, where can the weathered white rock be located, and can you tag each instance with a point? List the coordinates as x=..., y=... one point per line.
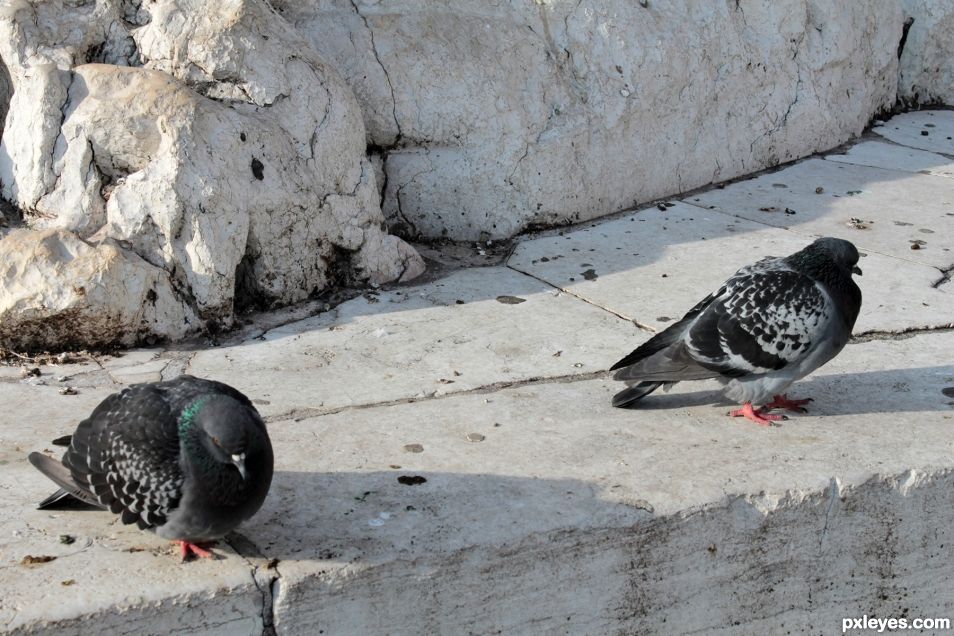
x=252, y=188
x=58, y=291
x=927, y=60
x=496, y=117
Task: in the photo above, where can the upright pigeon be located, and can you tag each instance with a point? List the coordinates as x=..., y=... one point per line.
x=769, y=325
x=188, y=458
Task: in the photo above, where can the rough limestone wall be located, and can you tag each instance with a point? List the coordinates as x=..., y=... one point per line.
x=206, y=139
x=927, y=60
x=495, y=117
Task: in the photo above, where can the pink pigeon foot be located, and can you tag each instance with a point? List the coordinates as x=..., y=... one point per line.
x=187, y=548
x=759, y=416
x=783, y=402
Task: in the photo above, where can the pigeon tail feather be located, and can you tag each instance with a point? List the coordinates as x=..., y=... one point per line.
x=61, y=476
x=673, y=363
x=632, y=394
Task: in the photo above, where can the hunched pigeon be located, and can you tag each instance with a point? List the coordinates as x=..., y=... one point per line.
x=188, y=458
x=769, y=325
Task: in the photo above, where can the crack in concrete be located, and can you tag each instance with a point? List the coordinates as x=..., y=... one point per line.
x=397, y=198
x=642, y=326
x=901, y=334
x=265, y=576
x=516, y=166
x=387, y=76
x=177, y=365
x=945, y=277
x=268, y=587
x=834, y=492
x=309, y=412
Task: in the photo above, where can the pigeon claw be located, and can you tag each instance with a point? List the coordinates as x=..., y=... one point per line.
x=187, y=548
x=783, y=402
x=759, y=416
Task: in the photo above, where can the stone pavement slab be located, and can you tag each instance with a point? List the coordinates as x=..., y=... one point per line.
x=447, y=459
x=878, y=154
x=909, y=129
x=652, y=266
x=878, y=210
x=558, y=473
x=472, y=329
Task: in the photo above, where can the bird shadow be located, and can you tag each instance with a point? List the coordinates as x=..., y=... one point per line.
x=348, y=517
x=915, y=389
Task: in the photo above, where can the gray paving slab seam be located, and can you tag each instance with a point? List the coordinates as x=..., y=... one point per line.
x=447, y=460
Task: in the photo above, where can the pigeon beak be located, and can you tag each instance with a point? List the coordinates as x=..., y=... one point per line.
x=856, y=270
x=239, y=462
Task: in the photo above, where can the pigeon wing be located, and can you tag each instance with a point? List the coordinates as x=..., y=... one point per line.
x=764, y=320
x=667, y=355
x=127, y=455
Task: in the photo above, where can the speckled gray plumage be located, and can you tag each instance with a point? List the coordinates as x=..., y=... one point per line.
x=768, y=325
x=158, y=454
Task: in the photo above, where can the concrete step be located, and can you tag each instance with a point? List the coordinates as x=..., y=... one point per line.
x=447, y=460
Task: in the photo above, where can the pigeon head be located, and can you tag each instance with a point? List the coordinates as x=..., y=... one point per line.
x=226, y=430
x=844, y=253
x=827, y=259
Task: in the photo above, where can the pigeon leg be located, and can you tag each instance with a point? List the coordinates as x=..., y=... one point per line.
x=783, y=402
x=759, y=416
x=188, y=547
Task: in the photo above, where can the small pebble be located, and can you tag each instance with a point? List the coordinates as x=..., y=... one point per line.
x=924, y=133
x=475, y=437
x=819, y=190
x=68, y=390
x=67, y=539
x=413, y=448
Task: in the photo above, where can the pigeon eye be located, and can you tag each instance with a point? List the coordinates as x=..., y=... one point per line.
x=215, y=440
